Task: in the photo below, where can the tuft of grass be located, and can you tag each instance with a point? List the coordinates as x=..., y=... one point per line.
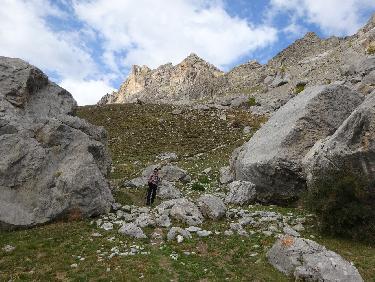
x=299, y=88
x=251, y=102
x=198, y=187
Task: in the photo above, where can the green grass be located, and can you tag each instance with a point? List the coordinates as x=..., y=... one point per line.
x=299, y=88
x=138, y=133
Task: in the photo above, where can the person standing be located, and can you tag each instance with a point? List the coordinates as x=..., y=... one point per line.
x=153, y=182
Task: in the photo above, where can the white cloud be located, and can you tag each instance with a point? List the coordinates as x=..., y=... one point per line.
x=87, y=92
x=25, y=34
x=154, y=32
x=332, y=16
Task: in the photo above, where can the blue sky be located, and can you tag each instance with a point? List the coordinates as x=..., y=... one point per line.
x=89, y=46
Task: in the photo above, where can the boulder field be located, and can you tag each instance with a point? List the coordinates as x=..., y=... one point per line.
x=52, y=163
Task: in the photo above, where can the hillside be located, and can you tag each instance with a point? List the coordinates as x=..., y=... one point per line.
x=137, y=134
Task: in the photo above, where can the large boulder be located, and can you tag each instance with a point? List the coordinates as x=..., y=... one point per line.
x=241, y=192
x=52, y=164
x=306, y=260
x=351, y=147
x=272, y=158
x=211, y=206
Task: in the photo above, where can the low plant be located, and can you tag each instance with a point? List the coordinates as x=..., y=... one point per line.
x=251, y=102
x=344, y=205
x=371, y=49
x=204, y=179
x=299, y=88
x=197, y=187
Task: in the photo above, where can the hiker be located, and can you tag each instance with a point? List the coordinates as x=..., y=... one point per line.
x=153, y=182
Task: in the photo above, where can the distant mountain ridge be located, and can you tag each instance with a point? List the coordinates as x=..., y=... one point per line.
x=308, y=61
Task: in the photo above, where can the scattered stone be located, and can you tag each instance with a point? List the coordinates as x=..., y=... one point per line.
x=204, y=233
x=187, y=212
x=132, y=230
x=167, y=191
x=228, y=233
x=211, y=206
x=174, y=231
x=163, y=221
x=74, y=265
x=298, y=227
x=180, y=238
x=145, y=220
x=307, y=260
x=241, y=192
x=225, y=175
x=247, y=130
x=8, y=248
x=207, y=170
x=167, y=156
x=193, y=229
x=107, y=226
x=290, y=231
x=96, y=234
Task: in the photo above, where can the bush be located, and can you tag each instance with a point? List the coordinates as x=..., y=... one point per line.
x=197, y=187
x=371, y=50
x=251, y=102
x=299, y=88
x=344, y=205
x=204, y=179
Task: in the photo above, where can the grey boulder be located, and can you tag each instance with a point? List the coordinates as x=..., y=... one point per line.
x=309, y=261
x=167, y=190
x=211, y=206
x=132, y=230
x=240, y=193
x=52, y=164
x=187, y=212
x=272, y=159
x=350, y=148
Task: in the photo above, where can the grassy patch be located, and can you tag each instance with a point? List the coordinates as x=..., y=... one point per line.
x=299, y=88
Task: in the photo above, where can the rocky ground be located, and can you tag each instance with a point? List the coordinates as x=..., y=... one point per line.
x=194, y=238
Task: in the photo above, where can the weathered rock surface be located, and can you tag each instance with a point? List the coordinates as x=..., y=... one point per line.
x=241, y=192
x=309, y=261
x=167, y=190
x=211, y=206
x=183, y=210
x=272, y=158
x=174, y=231
x=52, y=164
x=350, y=148
x=132, y=230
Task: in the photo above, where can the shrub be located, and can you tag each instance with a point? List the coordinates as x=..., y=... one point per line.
x=197, y=187
x=251, y=101
x=344, y=205
x=299, y=88
x=204, y=179
x=371, y=50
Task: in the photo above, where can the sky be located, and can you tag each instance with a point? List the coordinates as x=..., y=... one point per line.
x=89, y=46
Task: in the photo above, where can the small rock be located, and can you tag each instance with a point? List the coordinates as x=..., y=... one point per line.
x=290, y=231
x=74, y=265
x=132, y=230
x=180, y=238
x=8, y=248
x=203, y=233
x=193, y=229
x=107, y=226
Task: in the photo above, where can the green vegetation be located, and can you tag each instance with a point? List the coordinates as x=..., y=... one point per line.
x=197, y=187
x=138, y=133
x=371, y=49
x=344, y=205
x=251, y=101
x=299, y=88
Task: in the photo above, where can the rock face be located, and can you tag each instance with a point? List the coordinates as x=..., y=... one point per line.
x=351, y=147
x=311, y=60
x=52, y=163
x=272, y=158
x=193, y=78
x=309, y=261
